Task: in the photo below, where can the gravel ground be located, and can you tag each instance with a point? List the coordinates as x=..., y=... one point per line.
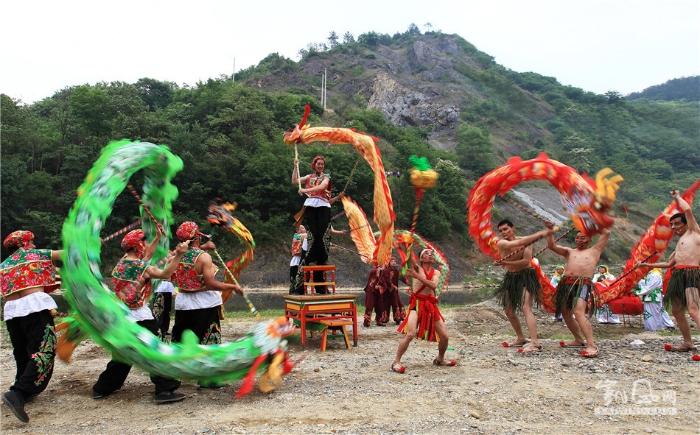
x=493, y=390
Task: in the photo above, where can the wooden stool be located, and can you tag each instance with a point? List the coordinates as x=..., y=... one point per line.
x=337, y=328
x=310, y=285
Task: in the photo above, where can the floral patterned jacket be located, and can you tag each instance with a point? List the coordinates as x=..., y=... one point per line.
x=28, y=268
x=126, y=275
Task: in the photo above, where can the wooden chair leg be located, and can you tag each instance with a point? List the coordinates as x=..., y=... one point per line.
x=345, y=335
x=324, y=338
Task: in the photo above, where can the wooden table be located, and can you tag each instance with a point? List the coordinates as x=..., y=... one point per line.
x=337, y=306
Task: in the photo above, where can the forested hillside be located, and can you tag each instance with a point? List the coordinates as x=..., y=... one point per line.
x=684, y=88
x=431, y=94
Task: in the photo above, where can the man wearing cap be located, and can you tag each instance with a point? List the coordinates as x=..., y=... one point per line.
x=197, y=303
x=424, y=319
x=520, y=287
x=390, y=276
x=132, y=285
x=604, y=313
x=27, y=275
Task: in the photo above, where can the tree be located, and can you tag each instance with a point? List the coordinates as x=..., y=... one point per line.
x=155, y=94
x=577, y=158
x=348, y=38
x=333, y=39
x=413, y=29
x=474, y=150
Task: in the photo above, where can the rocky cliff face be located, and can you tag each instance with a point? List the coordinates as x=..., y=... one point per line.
x=404, y=106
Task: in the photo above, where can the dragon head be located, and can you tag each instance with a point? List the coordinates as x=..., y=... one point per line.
x=291, y=137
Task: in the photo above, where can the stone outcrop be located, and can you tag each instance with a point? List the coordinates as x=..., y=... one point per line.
x=405, y=106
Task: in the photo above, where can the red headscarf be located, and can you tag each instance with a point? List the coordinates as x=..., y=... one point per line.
x=19, y=239
x=188, y=231
x=133, y=240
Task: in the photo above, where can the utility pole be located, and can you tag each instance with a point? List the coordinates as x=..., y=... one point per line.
x=233, y=76
x=323, y=90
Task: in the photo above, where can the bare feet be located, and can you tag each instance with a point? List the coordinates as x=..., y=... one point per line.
x=533, y=348
x=590, y=352
x=516, y=343
x=683, y=347
x=574, y=343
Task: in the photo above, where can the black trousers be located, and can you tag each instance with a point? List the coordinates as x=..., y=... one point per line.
x=116, y=372
x=164, y=318
x=33, y=339
x=204, y=322
x=317, y=220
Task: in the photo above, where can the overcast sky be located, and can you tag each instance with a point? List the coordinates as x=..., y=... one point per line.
x=599, y=46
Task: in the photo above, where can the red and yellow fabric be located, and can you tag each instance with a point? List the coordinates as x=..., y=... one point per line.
x=28, y=268
x=656, y=238
x=360, y=230
x=126, y=278
x=586, y=200
x=428, y=313
x=383, y=206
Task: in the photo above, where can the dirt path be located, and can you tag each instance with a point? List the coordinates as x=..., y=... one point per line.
x=493, y=390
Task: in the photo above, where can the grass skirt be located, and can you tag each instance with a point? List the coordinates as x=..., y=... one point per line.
x=571, y=288
x=510, y=293
x=681, y=279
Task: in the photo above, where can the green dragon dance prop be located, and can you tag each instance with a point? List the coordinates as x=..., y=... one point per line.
x=101, y=315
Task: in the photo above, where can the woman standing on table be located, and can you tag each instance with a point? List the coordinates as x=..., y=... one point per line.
x=317, y=211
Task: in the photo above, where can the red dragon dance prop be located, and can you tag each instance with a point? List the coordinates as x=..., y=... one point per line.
x=586, y=200
x=650, y=248
x=220, y=216
x=360, y=230
x=383, y=206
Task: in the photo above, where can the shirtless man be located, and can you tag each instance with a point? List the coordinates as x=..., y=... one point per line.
x=683, y=285
x=423, y=311
x=575, y=287
x=520, y=285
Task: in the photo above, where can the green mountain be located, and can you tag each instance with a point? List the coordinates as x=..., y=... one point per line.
x=431, y=94
x=684, y=88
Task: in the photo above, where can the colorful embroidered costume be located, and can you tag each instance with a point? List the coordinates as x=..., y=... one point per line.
x=195, y=309
x=28, y=317
x=317, y=218
x=571, y=288
x=299, y=248
x=27, y=268
x=510, y=292
x=126, y=275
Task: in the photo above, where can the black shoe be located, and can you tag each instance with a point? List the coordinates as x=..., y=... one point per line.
x=168, y=397
x=96, y=395
x=16, y=405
